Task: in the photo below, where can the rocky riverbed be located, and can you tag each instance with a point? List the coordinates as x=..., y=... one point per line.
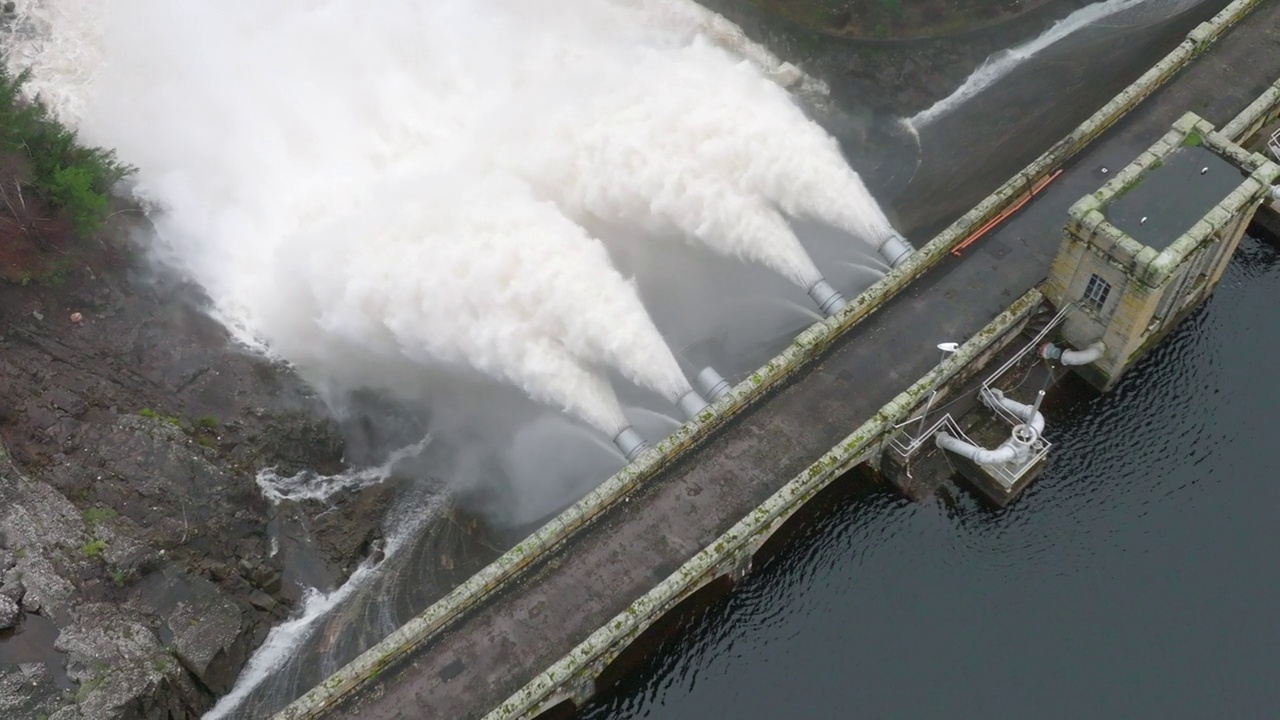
x=131, y=525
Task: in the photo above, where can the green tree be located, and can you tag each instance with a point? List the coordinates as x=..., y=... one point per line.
x=70, y=177
x=72, y=189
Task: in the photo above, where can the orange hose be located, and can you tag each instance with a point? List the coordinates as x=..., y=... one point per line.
x=1004, y=214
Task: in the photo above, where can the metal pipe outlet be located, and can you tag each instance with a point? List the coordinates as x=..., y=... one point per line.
x=895, y=249
x=630, y=443
x=829, y=300
x=691, y=404
x=711, y=384
x=1067, y=356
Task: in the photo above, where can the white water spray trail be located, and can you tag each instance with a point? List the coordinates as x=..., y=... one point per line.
x=507, y=287
x=286, y=638
x=310, y=485
x=1002, y=63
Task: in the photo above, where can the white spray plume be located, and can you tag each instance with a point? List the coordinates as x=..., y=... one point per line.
x=481, y=275
x=680, y=137
x=350, y=181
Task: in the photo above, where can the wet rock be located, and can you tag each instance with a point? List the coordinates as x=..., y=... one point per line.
x=118, y=662
x=262, y=601
x=46, y=531
x=205, y=636
x=9, y=612
x=340, y=536
x=13, y=587
x=208, y=633
x=27, y=691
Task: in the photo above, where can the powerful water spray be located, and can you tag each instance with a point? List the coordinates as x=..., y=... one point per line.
x=261, y=133
x=719, y=156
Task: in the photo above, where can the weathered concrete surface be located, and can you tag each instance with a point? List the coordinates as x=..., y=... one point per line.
x=481, y=658
x=573, y=676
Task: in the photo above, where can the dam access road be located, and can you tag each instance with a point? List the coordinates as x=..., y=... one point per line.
x=476, y=661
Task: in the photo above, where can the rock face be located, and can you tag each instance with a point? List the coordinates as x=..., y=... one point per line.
x=10, y=613
x=131, y=526
x=208, y=633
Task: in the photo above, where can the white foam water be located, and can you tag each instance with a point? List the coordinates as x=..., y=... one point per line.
x=277, y=651
x=272, y=135
x=310, y=485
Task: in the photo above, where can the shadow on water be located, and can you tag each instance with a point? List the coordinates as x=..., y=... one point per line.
x=1133, y=579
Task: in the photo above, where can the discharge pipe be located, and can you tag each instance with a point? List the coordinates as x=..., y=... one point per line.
x=1275, y=193
x=711, y=384
x=895, y=249
x=630, y=443
x=691, y=404
x=829, y=300
x=1066, y=356
x=1028, y=414
x=1017, y=449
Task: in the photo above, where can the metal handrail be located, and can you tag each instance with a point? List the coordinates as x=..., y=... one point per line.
x=1274, y=144
x=910, y=448
x=1054, y=323
x=917, y=441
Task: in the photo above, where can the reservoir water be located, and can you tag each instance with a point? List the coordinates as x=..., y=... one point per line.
x=1136, y=578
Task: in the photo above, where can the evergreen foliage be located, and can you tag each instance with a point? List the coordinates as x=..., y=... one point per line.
x=70, y=177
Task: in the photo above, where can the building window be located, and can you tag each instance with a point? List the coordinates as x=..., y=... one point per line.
x=1096, y=293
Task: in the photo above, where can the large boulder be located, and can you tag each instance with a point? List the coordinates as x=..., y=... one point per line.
x=209, y=635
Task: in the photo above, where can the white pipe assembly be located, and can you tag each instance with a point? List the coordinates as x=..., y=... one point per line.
x=691, y=404
x=1066, y=356
x=1017, y=449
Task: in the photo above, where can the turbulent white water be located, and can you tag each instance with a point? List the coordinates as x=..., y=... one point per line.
x=279, y=649
x=308, y=485
x=1004, y=62
x=366, y=188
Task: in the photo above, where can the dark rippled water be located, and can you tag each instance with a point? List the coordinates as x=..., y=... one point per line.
x=1139, y=577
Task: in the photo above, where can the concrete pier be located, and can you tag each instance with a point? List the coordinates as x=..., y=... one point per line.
x=546, y=625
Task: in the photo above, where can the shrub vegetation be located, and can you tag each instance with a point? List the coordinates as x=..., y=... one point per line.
x=42, y=163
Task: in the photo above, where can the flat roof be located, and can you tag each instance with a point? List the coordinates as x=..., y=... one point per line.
x=1170, y=198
